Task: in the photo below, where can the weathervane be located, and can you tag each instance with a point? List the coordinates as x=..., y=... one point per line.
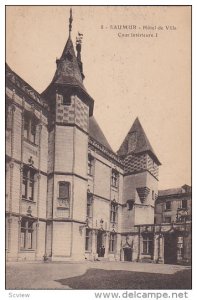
x=70, y=21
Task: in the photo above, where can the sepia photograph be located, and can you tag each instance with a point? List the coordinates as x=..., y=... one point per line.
x=98, y=148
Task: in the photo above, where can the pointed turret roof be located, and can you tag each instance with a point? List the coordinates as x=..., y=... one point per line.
x=96, y=133
x=68, y=73
x=136, y=142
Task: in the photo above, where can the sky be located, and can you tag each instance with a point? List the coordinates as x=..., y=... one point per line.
x=128, y=77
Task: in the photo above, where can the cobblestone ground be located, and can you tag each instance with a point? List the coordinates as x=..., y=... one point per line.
x=31, y=275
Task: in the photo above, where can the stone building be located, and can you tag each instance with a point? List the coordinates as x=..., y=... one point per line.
x=68, y=195
x=173, y=208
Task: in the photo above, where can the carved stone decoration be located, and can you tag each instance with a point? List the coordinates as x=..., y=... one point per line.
x=29, y=211
x=143, y=193
x=63, y=203
x=30, y=161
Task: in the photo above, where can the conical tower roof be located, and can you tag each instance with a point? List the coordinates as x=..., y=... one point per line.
x=136, y=142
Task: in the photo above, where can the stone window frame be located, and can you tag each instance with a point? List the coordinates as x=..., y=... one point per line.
x=147, y=244
x=114, y=178
x=112, y=242
x=113, y=212
x=27, y=234
x=90, y=164
x=30, y=123
x=63, y=196
x=89, y=210
x=28, y=183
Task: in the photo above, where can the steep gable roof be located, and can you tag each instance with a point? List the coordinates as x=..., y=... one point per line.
x=136, y=142
x=96, y=133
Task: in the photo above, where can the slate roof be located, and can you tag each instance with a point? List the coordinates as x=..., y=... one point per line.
x=68, y=71
x=175, y=191
x=68, y=74
x=96, y=133
x=140, y=142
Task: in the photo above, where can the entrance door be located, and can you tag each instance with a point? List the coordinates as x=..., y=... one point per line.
x=170, y=249
x=100, y=244
x=127, y=254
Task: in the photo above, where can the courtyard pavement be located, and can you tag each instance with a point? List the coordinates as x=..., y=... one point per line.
x=39, y=275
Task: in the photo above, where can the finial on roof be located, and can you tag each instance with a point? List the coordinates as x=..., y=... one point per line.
x=70, y=22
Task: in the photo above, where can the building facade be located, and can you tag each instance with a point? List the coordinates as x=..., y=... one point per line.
x=68, y=195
